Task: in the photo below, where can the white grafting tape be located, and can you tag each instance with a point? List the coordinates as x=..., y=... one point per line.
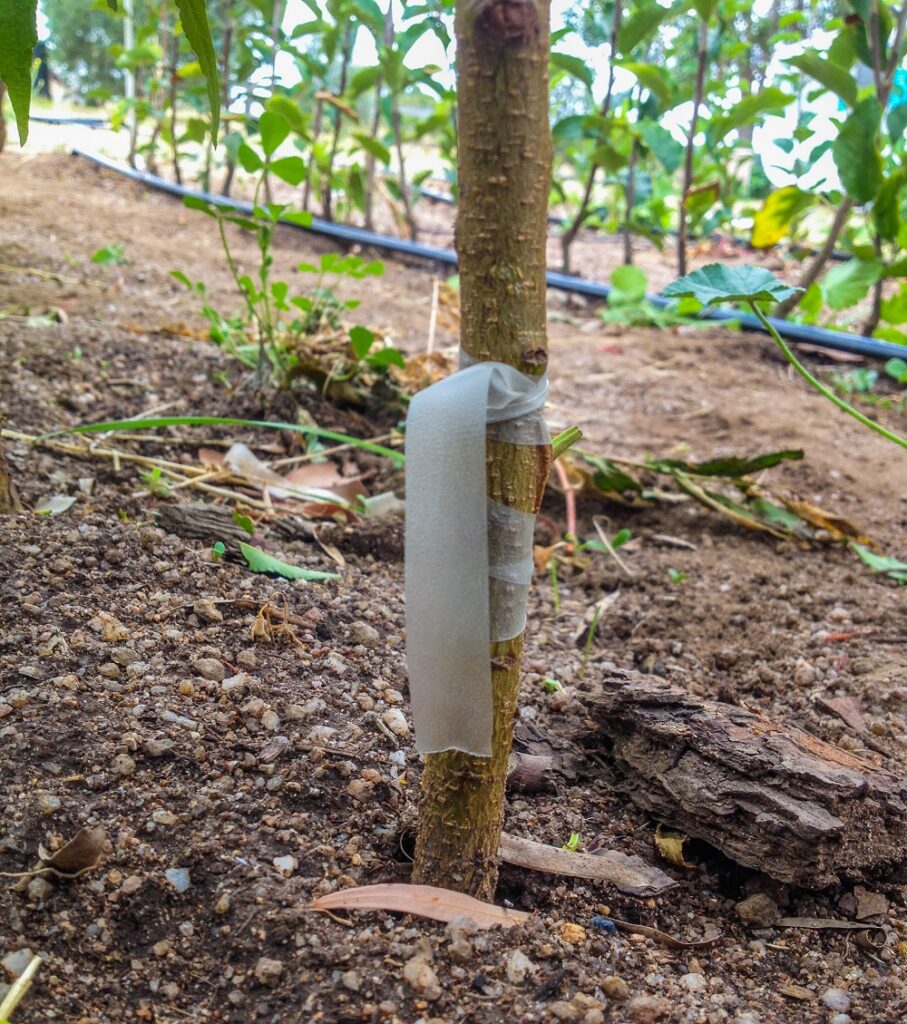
x=448, y=620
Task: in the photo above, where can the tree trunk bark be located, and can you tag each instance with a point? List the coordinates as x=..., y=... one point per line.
x=8, y=500
x=770, y=798
x=504, y=175
x=817, y=263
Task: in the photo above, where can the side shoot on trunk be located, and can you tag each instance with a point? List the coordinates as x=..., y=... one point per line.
x=504, y=174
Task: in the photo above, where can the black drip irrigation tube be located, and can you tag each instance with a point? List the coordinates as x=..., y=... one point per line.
x=800, y=333
x=86, y=122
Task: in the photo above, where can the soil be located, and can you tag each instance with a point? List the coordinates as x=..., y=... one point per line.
x=229, y=806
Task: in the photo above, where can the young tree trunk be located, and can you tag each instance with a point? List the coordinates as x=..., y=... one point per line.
x=630, y=195
x=8, y=500
x=2, y=118
x=701, y=62
x=504, y=175
x=327, y=199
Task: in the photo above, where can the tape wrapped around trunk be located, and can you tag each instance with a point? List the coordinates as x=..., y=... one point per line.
x=451, y=570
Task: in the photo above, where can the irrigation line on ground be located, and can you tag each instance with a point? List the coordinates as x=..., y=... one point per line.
x=799, y=333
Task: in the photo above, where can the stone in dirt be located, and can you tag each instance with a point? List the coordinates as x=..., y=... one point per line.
x=419, y=974
x=758, y=911
x=648, y=1009
x=207, y=610
x=268, y=971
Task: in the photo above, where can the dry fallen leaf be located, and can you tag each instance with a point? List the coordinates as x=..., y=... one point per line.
x=839, y=527
x=83, y=852
x=424, y=900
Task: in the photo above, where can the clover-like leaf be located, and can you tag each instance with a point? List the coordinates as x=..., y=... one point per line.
x=717, y=283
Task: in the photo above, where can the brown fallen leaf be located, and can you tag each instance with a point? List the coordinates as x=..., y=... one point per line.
x=670, y=843
x=663, y=938
x=323, y=476
x=626, y=873
x=839, y=527
x=83, y=852
x=423, y=900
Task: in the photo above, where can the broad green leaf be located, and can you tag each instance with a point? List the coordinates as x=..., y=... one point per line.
x=651, y=77
x=111, y=255
x=261, y=561
x=197, y=203
x=249, y=160
x=766, y=101
x=845, y=284
x=361, y=340
x=704, y=8
x=274, y=129
x=608, y=478
x=897, y=368
x=18, y=38
x=886, y=209
x=574, y=66
x=373, y=146
x=835, y=78
x=301, y=217
x=569, y=129
x=364, y=80
x=662, y=145
x=778, y=212
x=291, y=169
x=194, y=18
x=643, y=23
x=291, y=112
x=897, y=123
x=894, y=310
x=628, y=286
x=387, y=357
x=717, y=283
x=856, y=151
x=891, y=567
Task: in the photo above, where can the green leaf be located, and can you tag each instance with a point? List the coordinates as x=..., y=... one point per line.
x=628, y=286
x=244, y=522
x=651, y=77
x=111, y=255
x=643, y=23
x=856, y=151
x=662, y=145
x=569, y=129
x=574, y=66
x=194, y=18
x=18, y=38
x=897, y=123
x=732, y=465
x=894, y=309
x=291, y=169
x=274, y=129
x=763, y=102
x=897, y=368
x=261, y=561
x=205, y=421
x=290, y=112
x=361, y=340
x=845, y=284
x=387, y=357
x=835, y=78
x=249, y=160
x=886, y=209
x=374, y=147
x=608, y=478
x=891, y=567
x=301, y=217
x=778, y=212
x=717, y=283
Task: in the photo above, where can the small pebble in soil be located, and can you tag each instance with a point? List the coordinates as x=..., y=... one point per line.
x=648, y=1009
x=694, y=983
x=268, y=971
x=123, y=765
x=758, y=911
x=178, y=878
x=518, y=967
x=395, y=720
x=286, y=865
x=573, y=933
x=836, y=999
x=351, y=980
x=207, y=610
x=131, y=885
x=420, y=976
x=211, y=668
x=235, y=686
x=14, y=963
x=223, y=904
x=158, y=747
x=40, y=889
x=615, y=988
x=363, y=633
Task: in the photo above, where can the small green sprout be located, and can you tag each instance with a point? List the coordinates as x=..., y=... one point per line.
x=155, y=483
x=218, y=550
x=676, y=575
x=573, y=843
x=551, y=685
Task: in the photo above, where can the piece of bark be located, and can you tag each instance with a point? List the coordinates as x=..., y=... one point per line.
x=381, y=537
x=626, y=872
x=8, y=500
x=774, y=799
